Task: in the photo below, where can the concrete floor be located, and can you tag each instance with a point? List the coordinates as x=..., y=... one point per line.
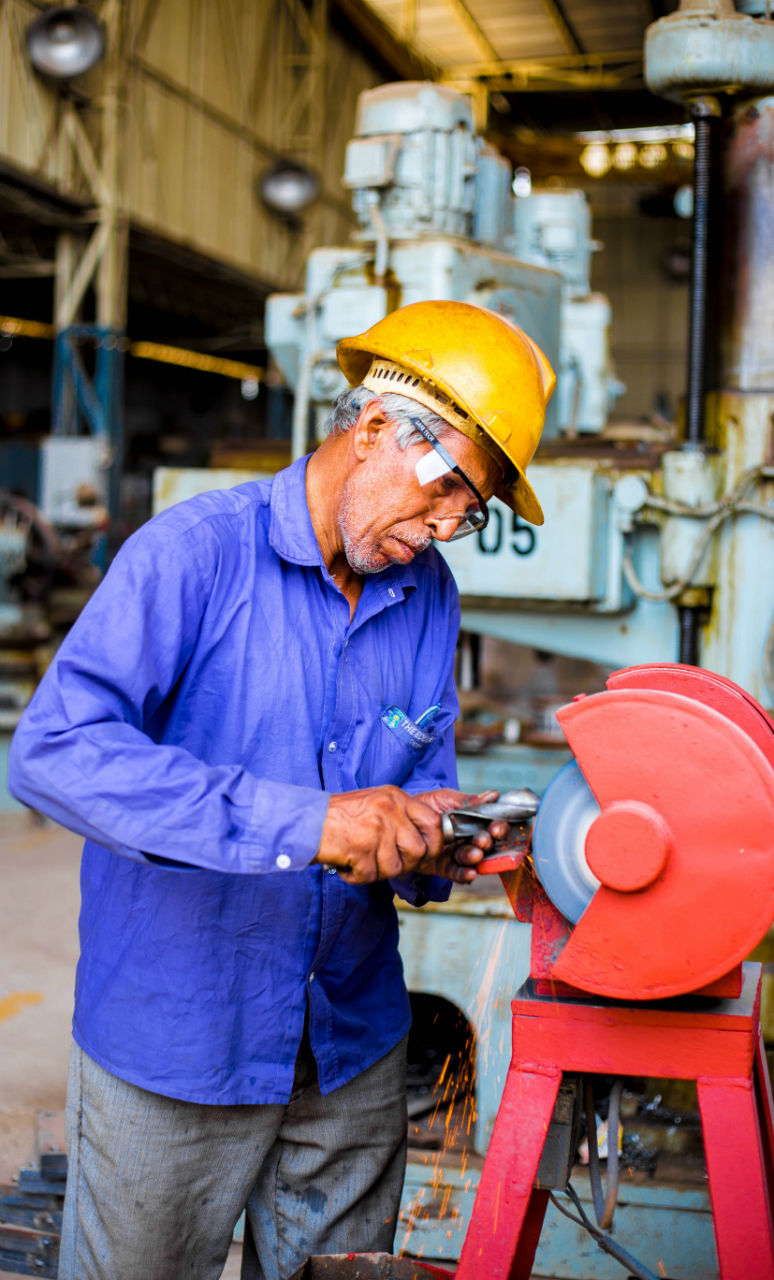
x=39, y=867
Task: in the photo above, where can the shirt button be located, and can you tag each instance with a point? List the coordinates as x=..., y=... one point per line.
x=311, y=976
x=332, y=871
x=332, y=746
x=282, y=861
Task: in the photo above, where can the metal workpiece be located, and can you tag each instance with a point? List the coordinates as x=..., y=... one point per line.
x=516, y=807
x=746, y=346
x=707, y=47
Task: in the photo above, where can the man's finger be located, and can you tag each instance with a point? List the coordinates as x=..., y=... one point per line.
x=460, y=875
x=448, y=867
x=404, y=848
x=428, y=822
x=468, y=855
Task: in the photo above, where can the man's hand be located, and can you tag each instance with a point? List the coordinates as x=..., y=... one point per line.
x=458, y=862
x=380, y=832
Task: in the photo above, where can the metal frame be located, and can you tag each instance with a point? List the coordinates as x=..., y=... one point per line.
x=721, y=1048
x=97, y=260
x=571, y=70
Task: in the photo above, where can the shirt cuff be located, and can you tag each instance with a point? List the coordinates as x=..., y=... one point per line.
x=418, y=889
x=288, y=821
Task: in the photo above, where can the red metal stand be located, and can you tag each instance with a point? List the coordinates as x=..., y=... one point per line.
x=715, y=1042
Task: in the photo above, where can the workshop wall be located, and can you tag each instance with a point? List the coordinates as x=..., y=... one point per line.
x=211, y=94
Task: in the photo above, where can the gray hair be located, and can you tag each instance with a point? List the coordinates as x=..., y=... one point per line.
x=400, y=409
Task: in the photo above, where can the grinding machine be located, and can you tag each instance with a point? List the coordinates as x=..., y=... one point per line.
x=648, y=880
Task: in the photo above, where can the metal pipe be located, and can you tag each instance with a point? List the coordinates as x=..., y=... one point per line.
x=688, y=652
x=703, y=110
x=747, y=261
x=300, y=433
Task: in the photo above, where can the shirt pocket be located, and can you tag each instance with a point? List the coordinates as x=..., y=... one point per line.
x=397, y=745
x=407, y=731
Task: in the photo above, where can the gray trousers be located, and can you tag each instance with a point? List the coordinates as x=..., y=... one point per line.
x=155, y=1186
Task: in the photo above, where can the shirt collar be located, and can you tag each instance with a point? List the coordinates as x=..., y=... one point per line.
x=292, y=535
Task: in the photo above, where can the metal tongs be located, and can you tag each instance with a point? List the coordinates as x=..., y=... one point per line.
x=516, y=807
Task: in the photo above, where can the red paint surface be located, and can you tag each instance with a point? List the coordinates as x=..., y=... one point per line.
x=721, y=1048
x=713, y=788
x=627, y=845
x=740, y=1188
x=730, y=699
x=508, y=1212
x=682, y=764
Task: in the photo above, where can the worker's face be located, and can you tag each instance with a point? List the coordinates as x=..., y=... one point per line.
x=384, y=517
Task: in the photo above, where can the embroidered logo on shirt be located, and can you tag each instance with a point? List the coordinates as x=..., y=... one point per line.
x=407, y=730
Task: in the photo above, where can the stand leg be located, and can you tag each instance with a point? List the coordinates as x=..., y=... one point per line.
x=734, y=1150
x=530, y=1235
x=508, y=1215
x=765, y=1109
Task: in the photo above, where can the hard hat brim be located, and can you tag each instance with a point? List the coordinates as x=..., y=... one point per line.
x=521, y=498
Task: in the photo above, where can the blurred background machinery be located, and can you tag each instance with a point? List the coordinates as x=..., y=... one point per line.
x=437, y=218
x=178, y=250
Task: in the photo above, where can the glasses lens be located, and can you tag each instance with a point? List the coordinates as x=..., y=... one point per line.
x=472, y=523
x=448, y=496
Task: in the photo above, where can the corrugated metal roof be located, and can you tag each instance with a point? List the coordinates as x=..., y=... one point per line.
x=557, y=66
x=454, y=33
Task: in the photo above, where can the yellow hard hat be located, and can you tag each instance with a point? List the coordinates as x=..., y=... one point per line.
x=473, y=368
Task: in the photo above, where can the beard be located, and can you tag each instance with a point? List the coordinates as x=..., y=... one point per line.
x=364, y=553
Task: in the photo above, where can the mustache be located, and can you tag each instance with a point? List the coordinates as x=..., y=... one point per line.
x=416, y=542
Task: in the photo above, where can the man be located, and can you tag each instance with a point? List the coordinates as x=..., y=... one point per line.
x=252, y=724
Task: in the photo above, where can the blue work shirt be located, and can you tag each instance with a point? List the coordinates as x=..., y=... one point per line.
x=210, y=697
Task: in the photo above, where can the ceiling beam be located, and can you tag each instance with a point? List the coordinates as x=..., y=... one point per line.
x=579, y=71
x=559, y=61
x=563, y=27
x=403, y=59
x=470, y=24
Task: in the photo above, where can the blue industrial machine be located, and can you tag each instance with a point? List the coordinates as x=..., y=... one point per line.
x=650, y=555
x=437, y=219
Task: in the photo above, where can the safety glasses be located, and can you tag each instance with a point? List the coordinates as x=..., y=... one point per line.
x=449, y=494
